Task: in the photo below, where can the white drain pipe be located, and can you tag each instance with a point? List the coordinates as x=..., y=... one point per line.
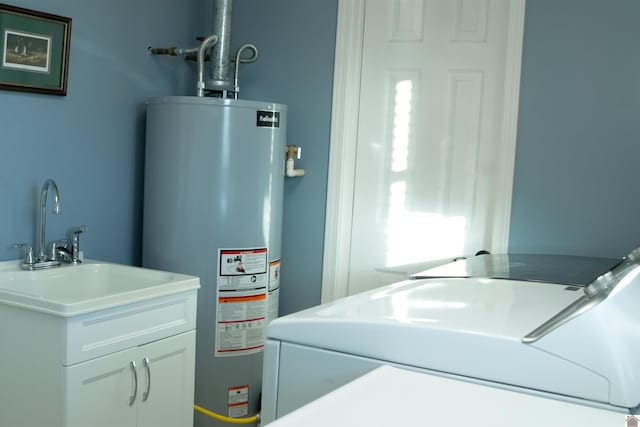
x=293, y=152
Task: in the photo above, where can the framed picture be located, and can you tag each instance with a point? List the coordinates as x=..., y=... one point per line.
x=34, y=51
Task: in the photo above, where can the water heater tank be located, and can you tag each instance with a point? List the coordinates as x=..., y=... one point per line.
x=214, y=177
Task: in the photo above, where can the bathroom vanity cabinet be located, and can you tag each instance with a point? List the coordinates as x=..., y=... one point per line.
x=131, y=365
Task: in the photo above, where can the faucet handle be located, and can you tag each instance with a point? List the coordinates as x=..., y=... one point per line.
x=28, y=253
x=77, y=230
x=59, y=250
x=75, y=242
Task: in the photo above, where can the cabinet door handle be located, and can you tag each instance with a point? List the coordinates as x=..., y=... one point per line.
x=132, y=399
x=145, y=395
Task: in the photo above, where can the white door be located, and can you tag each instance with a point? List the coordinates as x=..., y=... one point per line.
x=166, y=382
x=435, y=138
x=99, y=392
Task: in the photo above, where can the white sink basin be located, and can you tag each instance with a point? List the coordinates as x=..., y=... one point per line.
x=90, y=286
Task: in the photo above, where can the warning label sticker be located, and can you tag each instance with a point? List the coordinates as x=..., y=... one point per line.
x=241, y=324
x=238, y=405
x=241, y=301
x=244, y=261
x=273, y=295
x=242, y=269
x=272, y=302
x=274, y=275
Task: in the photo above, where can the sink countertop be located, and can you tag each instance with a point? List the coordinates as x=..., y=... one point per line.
x=72, y=290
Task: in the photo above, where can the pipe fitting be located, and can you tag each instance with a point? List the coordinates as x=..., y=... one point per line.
x=245, y=60
x=206, y=43
x=162, y=50
x=293, y=152
x=172, y=51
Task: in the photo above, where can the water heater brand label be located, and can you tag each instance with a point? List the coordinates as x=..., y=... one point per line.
x=268, y=119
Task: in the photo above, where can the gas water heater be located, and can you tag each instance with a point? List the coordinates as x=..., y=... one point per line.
x=213, y=194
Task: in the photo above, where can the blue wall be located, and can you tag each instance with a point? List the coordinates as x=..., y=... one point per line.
x=296, y=40
x=578, y=149
x=92, y=141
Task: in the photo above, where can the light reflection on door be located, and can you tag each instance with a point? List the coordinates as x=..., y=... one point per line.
x=413, y=236
x=428, y=136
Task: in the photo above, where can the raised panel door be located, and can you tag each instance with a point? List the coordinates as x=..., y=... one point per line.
x=167, y=399
x=429, y=135
x=98, y=392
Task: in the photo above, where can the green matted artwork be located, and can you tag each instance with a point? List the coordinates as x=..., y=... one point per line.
x=34, y=51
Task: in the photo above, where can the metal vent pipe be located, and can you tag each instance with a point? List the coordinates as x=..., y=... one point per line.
x=220, y=79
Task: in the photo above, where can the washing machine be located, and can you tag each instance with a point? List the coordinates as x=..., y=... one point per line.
x=571, y=338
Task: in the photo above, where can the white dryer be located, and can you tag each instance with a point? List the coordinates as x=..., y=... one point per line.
x=560, y=340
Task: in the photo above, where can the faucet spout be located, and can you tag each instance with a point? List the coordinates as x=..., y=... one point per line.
x=49, y=184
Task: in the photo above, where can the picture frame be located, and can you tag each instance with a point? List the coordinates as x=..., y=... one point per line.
x=34, y=51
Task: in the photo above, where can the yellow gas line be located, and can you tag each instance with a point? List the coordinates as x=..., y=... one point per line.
x=226, y=419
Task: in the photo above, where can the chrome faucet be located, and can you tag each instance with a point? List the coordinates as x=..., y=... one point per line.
x=48, y=184
x=65, y=250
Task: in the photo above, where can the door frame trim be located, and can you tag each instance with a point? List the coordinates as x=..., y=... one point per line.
x=342, y=148
x=511, y=103
x=344, y=136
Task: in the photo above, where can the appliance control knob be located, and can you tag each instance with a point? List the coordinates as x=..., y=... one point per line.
x=601, y=284
x=634, y=256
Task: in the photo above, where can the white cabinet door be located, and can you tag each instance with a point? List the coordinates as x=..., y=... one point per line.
x=170, y=367
x=146, y=386
x=98, y=392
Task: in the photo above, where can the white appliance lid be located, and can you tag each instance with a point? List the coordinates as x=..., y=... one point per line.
x=485, y=306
